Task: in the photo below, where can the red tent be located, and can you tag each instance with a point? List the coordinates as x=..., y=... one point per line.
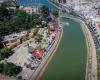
x=38, y=53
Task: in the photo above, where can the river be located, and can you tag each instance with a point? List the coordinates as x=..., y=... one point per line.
x=69, y=61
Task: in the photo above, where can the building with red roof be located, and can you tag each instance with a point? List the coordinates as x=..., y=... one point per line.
x=38, y=53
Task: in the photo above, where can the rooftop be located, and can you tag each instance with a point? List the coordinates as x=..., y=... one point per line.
x=1, y=1
x=14, y=36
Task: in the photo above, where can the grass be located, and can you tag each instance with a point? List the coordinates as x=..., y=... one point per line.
x=98, y=57
x=98, y=66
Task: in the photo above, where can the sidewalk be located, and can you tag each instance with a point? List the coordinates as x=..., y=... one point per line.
x=91, y=55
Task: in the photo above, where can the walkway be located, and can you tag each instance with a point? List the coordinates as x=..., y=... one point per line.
x=91, y=72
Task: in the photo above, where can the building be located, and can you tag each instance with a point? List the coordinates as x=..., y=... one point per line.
x=31, y=9
x=15, y=39
x=38, y=53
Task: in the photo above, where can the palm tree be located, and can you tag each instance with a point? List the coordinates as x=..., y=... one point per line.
x=39, y=38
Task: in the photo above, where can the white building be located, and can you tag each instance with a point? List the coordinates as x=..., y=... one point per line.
x=31, y=9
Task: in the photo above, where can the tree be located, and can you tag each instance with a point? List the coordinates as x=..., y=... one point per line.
x=34, y=15
x=1, y=67
x=35, y=32
x=22, y=15
x=55, y=13
x=45, y=11
x=5, y=52
x=17, y=24
x=9, y=4
x=36, y=20
x=4, y=12
x=39, y=38
x=9, y=69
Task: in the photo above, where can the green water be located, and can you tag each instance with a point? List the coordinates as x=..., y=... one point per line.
x=70, y=58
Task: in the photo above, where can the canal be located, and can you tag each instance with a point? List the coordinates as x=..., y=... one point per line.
x=69, y=61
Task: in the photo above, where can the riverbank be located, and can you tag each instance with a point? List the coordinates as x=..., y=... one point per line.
x=91, y=65
x=38, y=73
x=91, y=73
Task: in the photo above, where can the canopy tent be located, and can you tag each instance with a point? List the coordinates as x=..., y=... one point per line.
x=38, y=53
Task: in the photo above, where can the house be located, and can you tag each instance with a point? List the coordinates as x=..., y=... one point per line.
x=29, y=34
x=14, y=39
x=30, y=10
x=11, y=40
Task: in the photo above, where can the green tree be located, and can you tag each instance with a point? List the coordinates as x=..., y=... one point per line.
x=1, y=67
x=9, y=4
x=38, y=38
x=22, y=15
x=4, y=12
x=9, y=69
x=55, y=13
x=5, y=52
x=45, y=11
x=36, y=20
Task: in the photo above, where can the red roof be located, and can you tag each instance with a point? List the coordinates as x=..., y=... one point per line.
x=38, y=52
x=98, y=13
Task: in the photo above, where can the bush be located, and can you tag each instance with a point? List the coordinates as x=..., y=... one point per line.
x=55, y=13
x=9, y=69
x=5, y=53
x=45, y=11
